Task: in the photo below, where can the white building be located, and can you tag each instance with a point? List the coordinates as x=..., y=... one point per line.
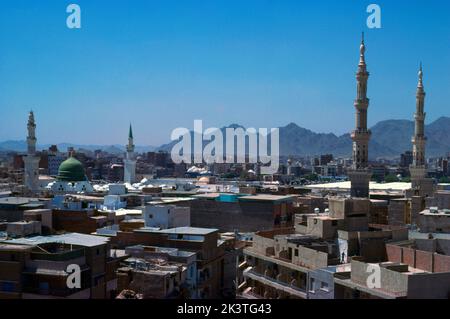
x=167, y=216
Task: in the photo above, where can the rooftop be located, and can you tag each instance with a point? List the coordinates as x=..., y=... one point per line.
x=268, y=197
x=436, y=212
x=15, y=200
x=170, y=200
x=373, y=186
x=184, y=230
x=9, y=247
x=69, y=238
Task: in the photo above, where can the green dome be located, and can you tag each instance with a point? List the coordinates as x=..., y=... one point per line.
x=71, y=170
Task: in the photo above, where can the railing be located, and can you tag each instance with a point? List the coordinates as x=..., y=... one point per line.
x=275, y=281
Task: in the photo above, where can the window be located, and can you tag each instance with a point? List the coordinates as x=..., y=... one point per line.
x=324, y=286
x=7, y=286
x=296, y=252
x=311, y=285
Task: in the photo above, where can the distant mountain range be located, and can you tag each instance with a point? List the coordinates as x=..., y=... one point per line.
x=389, y=139
x=21, y=146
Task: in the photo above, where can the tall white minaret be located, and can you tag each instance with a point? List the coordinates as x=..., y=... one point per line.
x=31, y=161
x=418, y=168
x=129, y=175
x=359, y=174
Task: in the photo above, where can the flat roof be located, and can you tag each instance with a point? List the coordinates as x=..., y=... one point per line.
x=267, y=197
x=11, y=247
x=437, y=213
x=170, y=200
x=187, y=230
x=14, y=200
x=69, y=238
x=207, y=195
x=396, y=186
x=418, y=235
x=122, y=211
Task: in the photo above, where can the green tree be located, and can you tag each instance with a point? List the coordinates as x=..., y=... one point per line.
x=391, y=178
x=311, y=177
x=444, y=179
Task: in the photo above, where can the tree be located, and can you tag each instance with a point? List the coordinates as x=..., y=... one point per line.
x=391, y=178
x=311, y=177
x=444, y=179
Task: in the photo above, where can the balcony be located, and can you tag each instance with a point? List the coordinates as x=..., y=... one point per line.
x=274, y=283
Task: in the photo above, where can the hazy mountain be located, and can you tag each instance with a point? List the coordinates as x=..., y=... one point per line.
x=21, y=146
x=390, y=138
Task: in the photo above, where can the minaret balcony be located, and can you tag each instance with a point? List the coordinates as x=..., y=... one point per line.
x=361, y=134
x=419, y=139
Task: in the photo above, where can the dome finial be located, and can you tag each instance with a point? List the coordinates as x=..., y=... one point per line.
x=420, y=75
x=362, y=50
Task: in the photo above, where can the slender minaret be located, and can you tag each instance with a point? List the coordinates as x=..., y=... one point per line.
x=130, y=161
x=289, y=166
x=31, y=161
x=359, y=173
x=418, y=167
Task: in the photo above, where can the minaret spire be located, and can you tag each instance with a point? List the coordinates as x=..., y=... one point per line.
x=130, y=132
x=421, y=185
x=359, y=174
x=130, y=146
x=419, y=139
x=31, y=138
x=31, y=161
x=130, y=161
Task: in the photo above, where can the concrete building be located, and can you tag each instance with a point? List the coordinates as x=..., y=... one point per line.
x=23, y=229
x=171, y=272
x=248, y=213
x=433, y=220
x=439, y=199
x=302, y=263
x=416, y=269
x=166, y=216
x=37, y=267
x=204, y=242
x=12, y=208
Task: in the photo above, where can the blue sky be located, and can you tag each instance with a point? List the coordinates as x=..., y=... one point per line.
x=162, y=64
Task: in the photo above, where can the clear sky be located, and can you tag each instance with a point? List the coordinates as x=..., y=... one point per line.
x=162, y=64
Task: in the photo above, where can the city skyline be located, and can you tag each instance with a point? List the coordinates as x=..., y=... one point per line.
x=253, y=73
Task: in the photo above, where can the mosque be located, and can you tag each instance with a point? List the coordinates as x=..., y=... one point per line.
x=71, y=178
